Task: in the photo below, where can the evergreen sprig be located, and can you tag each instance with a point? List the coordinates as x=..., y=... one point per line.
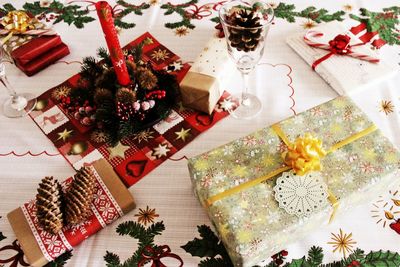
x=128, y=9
x=385, y=23
x=179, y=9
x=145, y=237
x=70, y=14
x=61, y=260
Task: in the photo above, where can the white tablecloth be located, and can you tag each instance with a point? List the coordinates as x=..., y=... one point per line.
x=282, y=80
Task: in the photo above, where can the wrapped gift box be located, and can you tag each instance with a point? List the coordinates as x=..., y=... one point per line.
x=112, y=200
x=204, y=84
x=32, y=53
x=345, y=74
x=250, y=222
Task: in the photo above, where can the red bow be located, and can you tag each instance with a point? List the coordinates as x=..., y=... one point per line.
x=156, y=254
x=17, y=258
x=340, y=45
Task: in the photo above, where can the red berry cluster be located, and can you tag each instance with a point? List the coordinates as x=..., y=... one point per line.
x=83, y=113
x=159, y=94
x=354, y=264
x=124, y=111
x=279, y=257
x=47, y=19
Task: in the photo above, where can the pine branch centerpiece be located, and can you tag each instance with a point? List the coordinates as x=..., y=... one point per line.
x=120, y=94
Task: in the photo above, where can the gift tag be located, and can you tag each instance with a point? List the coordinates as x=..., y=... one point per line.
x=301, y=195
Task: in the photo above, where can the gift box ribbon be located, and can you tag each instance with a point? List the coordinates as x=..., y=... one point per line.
x=340, y=45
x=20, y=22
x=295, y=166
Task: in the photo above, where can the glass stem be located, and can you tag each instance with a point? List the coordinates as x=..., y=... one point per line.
x=7, y=85
x=245, y=100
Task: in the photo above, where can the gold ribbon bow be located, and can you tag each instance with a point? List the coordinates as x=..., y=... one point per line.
x=17, y=22
x=302, y=156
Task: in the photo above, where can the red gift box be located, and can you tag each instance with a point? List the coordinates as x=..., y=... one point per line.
x=35, y=48
x=42, y=60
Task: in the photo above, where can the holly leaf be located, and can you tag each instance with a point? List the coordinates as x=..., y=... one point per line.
x=382, y=258
x=216, y=19
x=208, y=246
x=61, y=260
x=297, y=262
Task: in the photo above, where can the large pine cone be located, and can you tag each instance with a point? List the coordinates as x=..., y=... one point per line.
x=48, y=204
x=79, y=196
x=245, y=39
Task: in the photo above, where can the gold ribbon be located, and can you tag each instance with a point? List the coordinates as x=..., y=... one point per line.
x=17, y=22
x=314, y=146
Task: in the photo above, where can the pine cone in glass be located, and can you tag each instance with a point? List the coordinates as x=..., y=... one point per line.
x=79, y=196
x=48, y=204
x=245, y=39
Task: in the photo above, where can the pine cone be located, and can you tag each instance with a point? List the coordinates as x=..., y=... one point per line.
x=244, y=39
x=125, y=95
x=48, y=204
x=79, y=196
x=146, y=78
x=102, y=94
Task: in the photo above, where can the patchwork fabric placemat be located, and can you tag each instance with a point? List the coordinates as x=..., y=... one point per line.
x=132, y=158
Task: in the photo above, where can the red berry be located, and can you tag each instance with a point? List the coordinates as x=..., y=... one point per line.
x=284, y=253
x=279, y=261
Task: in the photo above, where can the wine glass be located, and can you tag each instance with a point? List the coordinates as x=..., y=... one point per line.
x=246, y=24
x=18, y=105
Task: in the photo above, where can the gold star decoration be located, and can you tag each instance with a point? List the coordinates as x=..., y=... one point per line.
x=348, y=8
x=117, y=151
x=181, y=31
x=386, y=106
x=146, y=216
x=144, y=135
x=160, y=54
x=161, y=151
x=60, y=92
x=308, y=24
x=342, y=242
x=64, y=135
x=386, y=208
x=182, y=134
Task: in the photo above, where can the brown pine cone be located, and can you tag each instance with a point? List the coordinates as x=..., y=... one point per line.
x=79, y=196
x=146, y=78
x=125, y=95
x=247, y=37
x=101, y=95
x=48, y=204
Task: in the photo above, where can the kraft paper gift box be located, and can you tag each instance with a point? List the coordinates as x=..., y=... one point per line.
x=251, y=223
x=345, y=74
x=205, y=82
x=112, y=200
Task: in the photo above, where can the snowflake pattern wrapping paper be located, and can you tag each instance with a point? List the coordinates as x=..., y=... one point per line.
x=250, y=223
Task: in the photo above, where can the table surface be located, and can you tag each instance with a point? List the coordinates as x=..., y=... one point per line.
x=284, y=82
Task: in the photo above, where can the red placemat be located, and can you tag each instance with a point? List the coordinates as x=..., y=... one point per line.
x=134, y=157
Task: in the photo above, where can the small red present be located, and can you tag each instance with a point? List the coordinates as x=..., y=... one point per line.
x=43, y=60
x=29, y=43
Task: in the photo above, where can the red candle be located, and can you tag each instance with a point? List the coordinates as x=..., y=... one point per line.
x=104, y=12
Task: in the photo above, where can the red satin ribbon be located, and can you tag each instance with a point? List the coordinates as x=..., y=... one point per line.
x=156, y=254
x=17, y=258
x=334, y=51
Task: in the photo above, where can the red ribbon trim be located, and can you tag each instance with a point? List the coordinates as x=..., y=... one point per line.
x=17, y=258
x=156, y=254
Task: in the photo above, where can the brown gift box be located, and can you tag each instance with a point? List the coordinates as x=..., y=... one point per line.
x=24, y=234
x=203, y=85
x=200, y=91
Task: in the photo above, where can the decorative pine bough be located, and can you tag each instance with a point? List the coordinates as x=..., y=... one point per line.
x=210, y=249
